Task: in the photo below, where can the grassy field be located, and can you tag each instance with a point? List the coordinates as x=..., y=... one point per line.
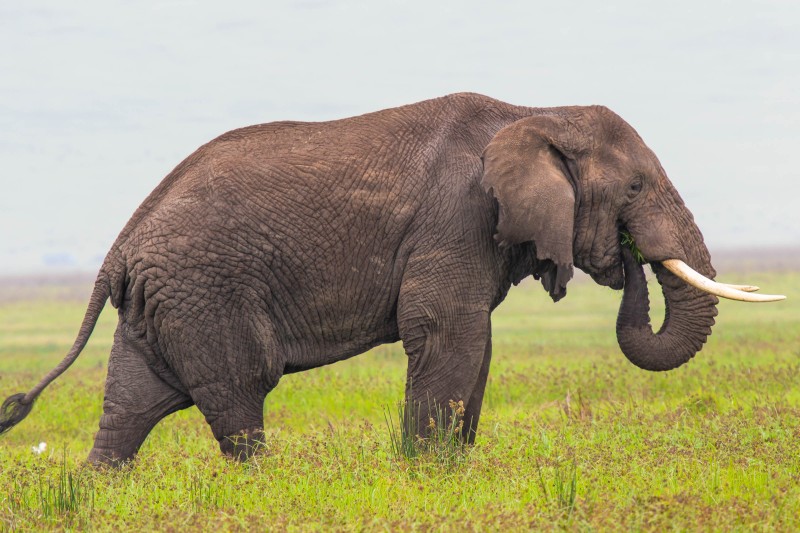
x=572, y=435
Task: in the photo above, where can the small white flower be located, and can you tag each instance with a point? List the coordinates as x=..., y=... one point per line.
x=40, y=448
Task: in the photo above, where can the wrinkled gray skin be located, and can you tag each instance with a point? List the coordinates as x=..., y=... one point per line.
x=286, y=246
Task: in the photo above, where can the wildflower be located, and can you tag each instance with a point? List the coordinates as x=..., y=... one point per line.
x=457, y=407
x=39, y=449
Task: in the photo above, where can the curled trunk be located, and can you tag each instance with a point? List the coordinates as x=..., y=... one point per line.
x=687, y=323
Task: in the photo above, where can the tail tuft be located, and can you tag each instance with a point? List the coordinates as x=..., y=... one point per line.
x=13, y=411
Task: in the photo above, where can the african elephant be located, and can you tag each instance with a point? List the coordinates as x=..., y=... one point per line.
x=286, y=246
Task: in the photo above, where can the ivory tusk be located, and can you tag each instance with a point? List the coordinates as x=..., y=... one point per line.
x=695, y=279
x=745, y=288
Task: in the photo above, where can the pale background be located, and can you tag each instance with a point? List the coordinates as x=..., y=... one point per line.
x=100, y=99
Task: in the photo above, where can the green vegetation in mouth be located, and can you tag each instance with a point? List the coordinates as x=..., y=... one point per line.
x=627, y=241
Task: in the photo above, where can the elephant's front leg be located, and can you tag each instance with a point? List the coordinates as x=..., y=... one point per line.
x=472, y=413
x=448, y=360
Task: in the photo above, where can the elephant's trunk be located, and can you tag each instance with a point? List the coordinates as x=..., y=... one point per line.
x=687, y=323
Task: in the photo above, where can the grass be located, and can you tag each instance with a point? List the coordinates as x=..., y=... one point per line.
x=572, y=436
x=627, y=241
x=442, y=443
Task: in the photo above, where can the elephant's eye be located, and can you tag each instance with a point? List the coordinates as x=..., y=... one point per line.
x=635, y=187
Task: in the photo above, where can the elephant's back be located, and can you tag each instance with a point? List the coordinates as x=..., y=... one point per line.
x=319, y=231
x=391, y=144
x=318, y=210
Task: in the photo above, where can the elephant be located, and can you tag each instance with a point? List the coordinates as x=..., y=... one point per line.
x=285, y=246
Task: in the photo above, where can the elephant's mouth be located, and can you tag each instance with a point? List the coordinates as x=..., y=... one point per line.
x=604, y=268
x=683, y=272
x=612, y=277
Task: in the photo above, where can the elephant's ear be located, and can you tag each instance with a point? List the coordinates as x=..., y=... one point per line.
x=526, y=169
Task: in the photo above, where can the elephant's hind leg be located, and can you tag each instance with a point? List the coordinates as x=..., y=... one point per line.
x=136, y=398
x=239, y=426
x=228, y=369
x=234, y=408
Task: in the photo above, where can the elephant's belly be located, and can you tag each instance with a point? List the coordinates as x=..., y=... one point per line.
x=307, y=355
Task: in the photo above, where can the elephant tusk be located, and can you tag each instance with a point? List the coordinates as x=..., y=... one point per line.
x=732, y=292
x=745, y=288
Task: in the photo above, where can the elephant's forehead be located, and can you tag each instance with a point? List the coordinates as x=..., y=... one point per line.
x=628, y=157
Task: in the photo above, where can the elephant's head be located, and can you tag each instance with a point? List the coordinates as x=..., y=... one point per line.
x=571, y=180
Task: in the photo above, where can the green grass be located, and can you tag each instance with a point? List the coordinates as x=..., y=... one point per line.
x=572, y=435
x=627, y=241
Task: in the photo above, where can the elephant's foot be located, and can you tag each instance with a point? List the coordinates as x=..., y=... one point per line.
x=117, y=441
x=242, y=445
x=102, y=458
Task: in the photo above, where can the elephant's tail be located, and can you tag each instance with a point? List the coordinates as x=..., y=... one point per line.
x=17, y=407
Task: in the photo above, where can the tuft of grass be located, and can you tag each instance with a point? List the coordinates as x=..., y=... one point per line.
x=443, y=441
x=403, y=432
x=563, y=488
x=70, y=496
x=627, y=241
x=203, y=494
